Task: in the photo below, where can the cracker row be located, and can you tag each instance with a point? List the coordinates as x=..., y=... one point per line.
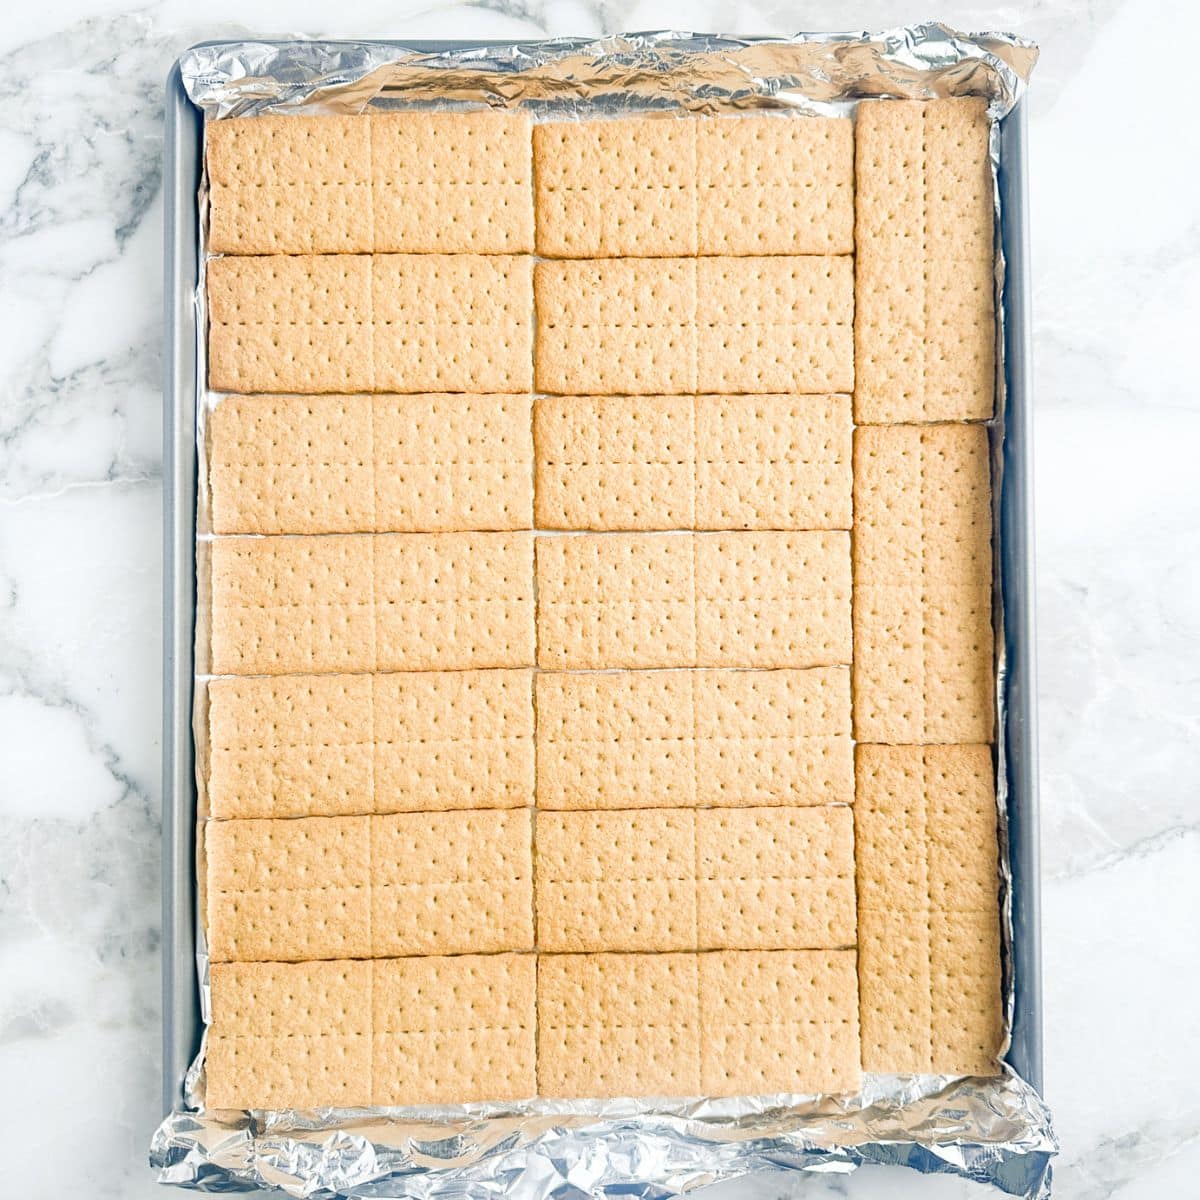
x=651, y=739
x=413, y=182
x=924, y=320
x=661, y=186
x=388, y=1032
x=687, y=325
x=684, y=879
x=343, y=323
x=710, y=600
x=372, y=602
x=369, y=887
x=928, y=909
x=715, y=1024
x=693, y=462
x=339, y=745
x=349, y=464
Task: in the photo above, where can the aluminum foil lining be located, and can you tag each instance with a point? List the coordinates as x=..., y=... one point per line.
x=995, y=1131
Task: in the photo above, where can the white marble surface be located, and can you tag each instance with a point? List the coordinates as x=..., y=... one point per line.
x=1116, y=239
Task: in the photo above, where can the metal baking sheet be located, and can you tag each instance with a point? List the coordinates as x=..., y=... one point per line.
x=182, y=1023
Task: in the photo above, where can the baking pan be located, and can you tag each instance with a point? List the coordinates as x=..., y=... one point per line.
x=182, y=1024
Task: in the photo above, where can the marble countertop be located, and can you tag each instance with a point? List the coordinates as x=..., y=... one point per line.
x=1116, y=252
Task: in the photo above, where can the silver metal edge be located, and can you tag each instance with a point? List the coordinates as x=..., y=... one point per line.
x=1017, y=582
x=181, y=1026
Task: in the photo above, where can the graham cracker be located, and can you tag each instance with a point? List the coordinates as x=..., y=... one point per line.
x=772, y=599
x=615, y=462
x=922, y=504
x=775, y=184
x=925, y=819
x=775, y=878
x=290, y=323
x=780, y=1021
x=370, y=323
x=369, y=887
x=348, y=1034
x=928, y=909
x=922, y=584
x=423, y=182
x=677, y=879
x=348, y=464
x=349, y=602
x=623, y=187
x=289, y=185
x=704, y=462
x=773, y=462
x=452, y=182
x=337, y=745
x=782, y=324
x=616, y=326
x=660, y=600
x=925, y=325
x=618, y=1025
x=289, y=1035
x=454, y=1030
x=923, y=663
x=616, y=880
x=648, y=739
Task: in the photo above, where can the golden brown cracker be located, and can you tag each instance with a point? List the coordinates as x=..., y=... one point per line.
x=645, y=739
x=924, y=325
x=780, y=324
x=452, y=182
x=616, y=326
x=778, y=1021
x=397, y=601
x=336, y=745
x=618, y=1025
x=613, y=188
x=775, y=184
x=616, y=880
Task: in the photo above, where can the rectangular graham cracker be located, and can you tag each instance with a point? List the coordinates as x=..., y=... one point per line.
x=616, y=326
x=775, y=324
x=369, y=887
x=657, y=739
x=703, y=462
x=338, y=745
x=717, y=1024
x=383, y=602
x=616, y=880
x=678, y=879
x=923, y=658
x=924, y=324
x=616, y=188
x=779, y=1021
x=618, y=1025
x=669, y=600
x=775, y=878
x=928, y=904
x=452, y=182
x=778, y=184
x=349, y=464
x=345, y=323
x=289, y=185
x=410, y=182
x=348, y=1034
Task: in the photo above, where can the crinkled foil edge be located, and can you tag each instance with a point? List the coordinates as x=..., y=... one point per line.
x=995, y=1131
